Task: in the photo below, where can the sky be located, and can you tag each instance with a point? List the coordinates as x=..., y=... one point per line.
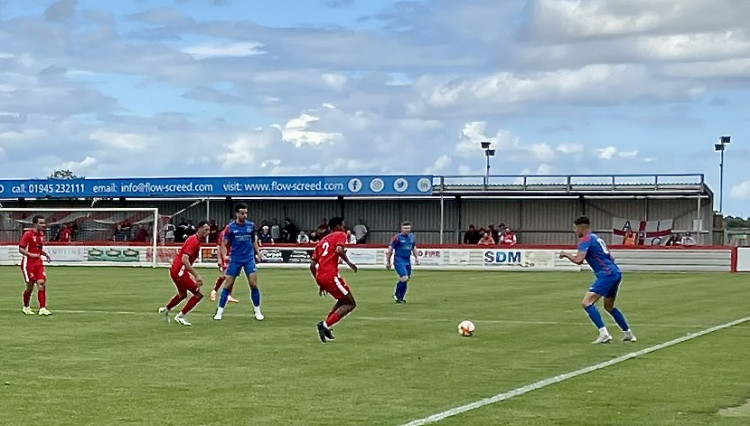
x=346, y=87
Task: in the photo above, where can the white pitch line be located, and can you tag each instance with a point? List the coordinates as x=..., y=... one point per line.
x=355, y=318
x=562, y=377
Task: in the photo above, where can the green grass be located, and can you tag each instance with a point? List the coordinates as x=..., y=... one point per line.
x=105, y=357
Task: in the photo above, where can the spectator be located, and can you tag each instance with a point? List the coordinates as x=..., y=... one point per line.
x=141, y=236
x=180, y=232
x=168, y=231
x=674, y=240
x=629, y=238
x=190, y=229
x=508, y=238
x=350, y=238
x=472, y=236
x=126, y=227
x=303, y=238
x=65, y=234
x=494, y=233
x=74, y=231
x=486, y=239
x=688, y=240
x=360, y=232
x=213, y=233
x=276, y=233
x=324, y=226
x=290, y=231
x=265, y=236
x=314, y=237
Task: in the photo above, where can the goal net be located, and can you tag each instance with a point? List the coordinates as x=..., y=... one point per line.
x=103, y=236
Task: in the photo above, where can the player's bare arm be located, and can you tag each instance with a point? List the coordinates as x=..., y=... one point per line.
x=313, y=267
x=577, y=258
x=26, y=253
x=256, y=248
x=342, y=254
x=191, y=270
x=223, y=251
x=415, y=253
x=388, y=256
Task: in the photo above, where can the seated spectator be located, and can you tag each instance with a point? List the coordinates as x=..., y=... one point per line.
x=508, y=238
x=141, y=236
x=486, y=240
x=494, y=233
x=472, y=236
x=191, y=230
x=629, y=238
x=674, y=240
x=168, y=232
x=314, y=237
x=289, y=233
x=180, y=232
x=265, y=236
x=350, y=238
x=360, y=231
x=213, y=233
x=688, y=240
x=303, y=238
x=65, y=234
x=324, y=226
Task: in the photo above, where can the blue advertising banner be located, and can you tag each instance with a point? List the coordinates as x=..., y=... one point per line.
x=304, y=186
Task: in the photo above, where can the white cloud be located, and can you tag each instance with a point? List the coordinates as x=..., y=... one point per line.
x=628, y=154
x=741, y=191
x=335, y=81
x=122, y=141
x=441, y=165
x=226, y=50
x=296, y=131
x=543, y=152
x=607, y=153
x=570, y=148
x=245, y=149
x=78, y=167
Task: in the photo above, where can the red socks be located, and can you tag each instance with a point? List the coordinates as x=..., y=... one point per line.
x=26, y=298
x=191, y=304
x=219, y=282
x=332, y=319
x=175, y=301
x=42, y=297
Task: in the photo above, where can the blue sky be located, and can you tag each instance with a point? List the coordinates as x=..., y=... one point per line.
x=299, y=87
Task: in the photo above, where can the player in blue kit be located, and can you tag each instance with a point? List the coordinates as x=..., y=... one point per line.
x=240, y=237
x=402, y=248
x=594, y=251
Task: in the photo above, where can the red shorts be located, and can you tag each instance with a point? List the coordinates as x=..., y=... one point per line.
x=32, y=270
x=335, y=286
x=184, y=283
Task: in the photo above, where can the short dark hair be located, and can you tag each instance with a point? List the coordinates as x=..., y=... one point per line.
x=583, y=220
x=335, y=221
x=202, y=223
x=240, y=206
x=406, y=223
x=36, y=219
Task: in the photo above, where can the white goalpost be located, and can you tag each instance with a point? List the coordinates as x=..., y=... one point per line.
x=86, y=236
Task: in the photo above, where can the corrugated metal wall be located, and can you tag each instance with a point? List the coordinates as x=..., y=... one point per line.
x=536, y=221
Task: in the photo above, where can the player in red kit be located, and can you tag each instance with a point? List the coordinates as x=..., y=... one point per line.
x=31, y=248
x=222, y=269
x=185, y=277
x=325, y=268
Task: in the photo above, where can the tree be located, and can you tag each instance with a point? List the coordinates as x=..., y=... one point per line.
x=63, y=174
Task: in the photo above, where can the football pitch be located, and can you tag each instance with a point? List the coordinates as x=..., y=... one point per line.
x=106, y=356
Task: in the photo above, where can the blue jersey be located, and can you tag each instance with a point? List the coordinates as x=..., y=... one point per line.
x=597, y=256
x=402, y=248
x=241, y=239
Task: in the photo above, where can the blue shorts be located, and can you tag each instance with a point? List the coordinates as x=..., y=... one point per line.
x=235, y=268
x=606, y=286
x=403, y=269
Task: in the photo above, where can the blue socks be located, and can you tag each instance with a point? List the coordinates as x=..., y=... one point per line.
x=223, y=298
x=255, y=296
x=595, y=316
x=619, y=319
x=400, y=290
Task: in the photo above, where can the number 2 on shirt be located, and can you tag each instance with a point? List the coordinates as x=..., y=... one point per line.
x=325, y=249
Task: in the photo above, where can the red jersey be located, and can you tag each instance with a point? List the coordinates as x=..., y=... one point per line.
x=326, y=256
x=191, y=247
x=221, y=241
x=65, y=235
x=32, y=241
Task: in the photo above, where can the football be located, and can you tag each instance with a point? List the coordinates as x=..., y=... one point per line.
x=466, y=328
